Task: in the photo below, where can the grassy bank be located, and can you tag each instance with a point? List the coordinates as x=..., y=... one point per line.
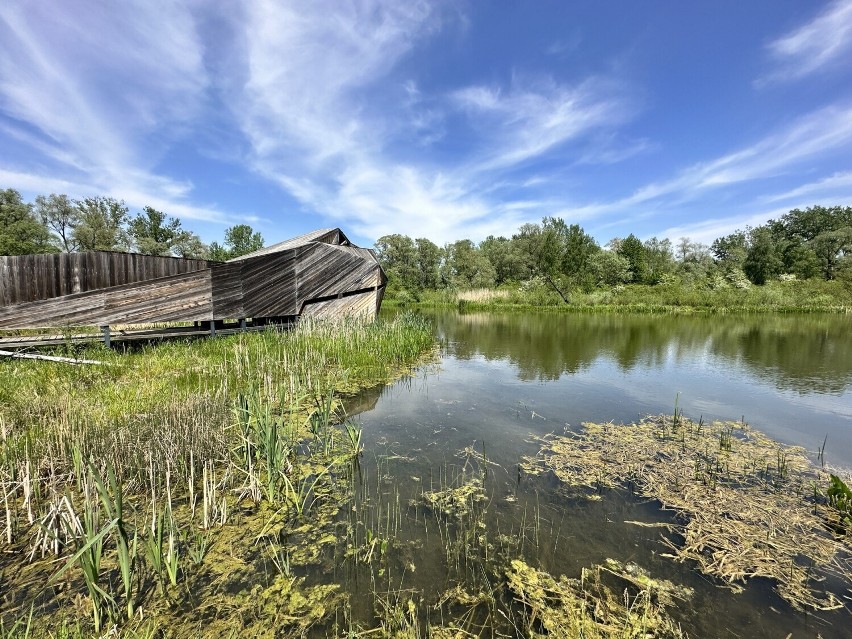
x=808, y=296
x=134, y=492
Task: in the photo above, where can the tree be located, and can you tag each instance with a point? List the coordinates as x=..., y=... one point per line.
x=190, y=246
x=763, y=260
x=428, y=256
x=609, y=268
x=543, y=250
x=58, y=213
x=242, y=240
x=398, y=257
x=152, y=232
x=505, y=257
x=632, y=249
x=467, y=266
x=101, y=225
x=831, y=249
x=730, y=251
x=21, y=233
x=579, y=247
x=659, y=258
x=218, y=253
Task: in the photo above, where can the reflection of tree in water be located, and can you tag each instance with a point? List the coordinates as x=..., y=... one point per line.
x=797, y=353
x=802, y=354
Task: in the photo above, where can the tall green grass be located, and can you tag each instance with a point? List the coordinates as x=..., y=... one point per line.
x=123, y=473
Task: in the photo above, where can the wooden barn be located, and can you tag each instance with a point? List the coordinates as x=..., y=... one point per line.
x=320, y=274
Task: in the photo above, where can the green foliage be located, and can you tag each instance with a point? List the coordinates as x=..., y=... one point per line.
x=632, y=249
x=21, y=233
x=59, y=214
x=467, y=267
x=242, y=240
x=398, y=257
x=101, y=225
x=731, y=250
x=763, y=260
x=152, y=232
x=840, y=498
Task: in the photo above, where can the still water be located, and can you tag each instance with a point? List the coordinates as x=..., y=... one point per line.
x=503, y=379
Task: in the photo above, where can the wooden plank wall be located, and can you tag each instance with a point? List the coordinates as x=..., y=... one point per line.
x=183, y=297
x=29, y=278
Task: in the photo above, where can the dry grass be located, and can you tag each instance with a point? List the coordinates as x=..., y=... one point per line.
x=745, y=505
x=481, y=295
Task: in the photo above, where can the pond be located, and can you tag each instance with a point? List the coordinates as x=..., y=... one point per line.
x=504, y=379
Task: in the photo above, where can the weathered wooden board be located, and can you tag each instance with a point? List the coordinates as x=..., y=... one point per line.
x=29, y=278
x=358, y=305
x=184, y=297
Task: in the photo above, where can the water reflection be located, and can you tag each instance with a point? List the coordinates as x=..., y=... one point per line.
x=805, y=354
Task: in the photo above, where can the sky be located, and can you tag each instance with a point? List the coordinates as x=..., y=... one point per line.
x=444, y=120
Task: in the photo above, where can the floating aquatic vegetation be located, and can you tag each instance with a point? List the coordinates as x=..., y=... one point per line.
x=586, y=607
x=459, y=501
x=743, y=502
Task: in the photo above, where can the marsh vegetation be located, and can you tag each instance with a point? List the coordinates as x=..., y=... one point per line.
x=234, y=487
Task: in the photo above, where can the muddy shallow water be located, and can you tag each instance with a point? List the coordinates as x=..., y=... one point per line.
x=503, y=379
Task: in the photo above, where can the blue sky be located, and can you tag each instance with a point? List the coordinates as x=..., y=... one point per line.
x=444, y=120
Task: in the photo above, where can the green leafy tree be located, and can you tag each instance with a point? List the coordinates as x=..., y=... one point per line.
x=242, y=240
x=543, y=250
x=730, y=251
x=152, y=232
x=398, y=256
x=429, y=256
x=467, y=266
x=505, y=256
x=632, y=249
x=21, y=232
x=813, y=241
x=763, y=260
x=190, y=246
x=832, y=249
x=609, y=268
x=578, y=250
x=218, y=253
x=101, y=225
x=659, y=258
x=59, y=214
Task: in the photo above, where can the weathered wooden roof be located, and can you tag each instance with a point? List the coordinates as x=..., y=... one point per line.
x=327, y=236
x=281, y=280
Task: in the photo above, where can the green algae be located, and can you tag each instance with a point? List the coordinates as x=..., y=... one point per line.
x=586, y=607
x=742, y=504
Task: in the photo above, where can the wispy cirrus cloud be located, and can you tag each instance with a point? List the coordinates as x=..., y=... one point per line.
x=824, y=41
x=818, y=133
x=837, y=185
x=521, y=123
x=101, y=91
x=331, y=118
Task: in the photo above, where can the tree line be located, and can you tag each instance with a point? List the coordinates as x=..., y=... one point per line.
x=803, y=244
x=57, y=223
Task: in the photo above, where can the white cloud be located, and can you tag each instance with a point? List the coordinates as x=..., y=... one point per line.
x=327, y=120
x=825, y=40
x=828, y=187
x=524, y=123
x=818, y=133
x=100, y=91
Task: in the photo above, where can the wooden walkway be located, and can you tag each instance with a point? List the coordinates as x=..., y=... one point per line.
x=22, y=342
